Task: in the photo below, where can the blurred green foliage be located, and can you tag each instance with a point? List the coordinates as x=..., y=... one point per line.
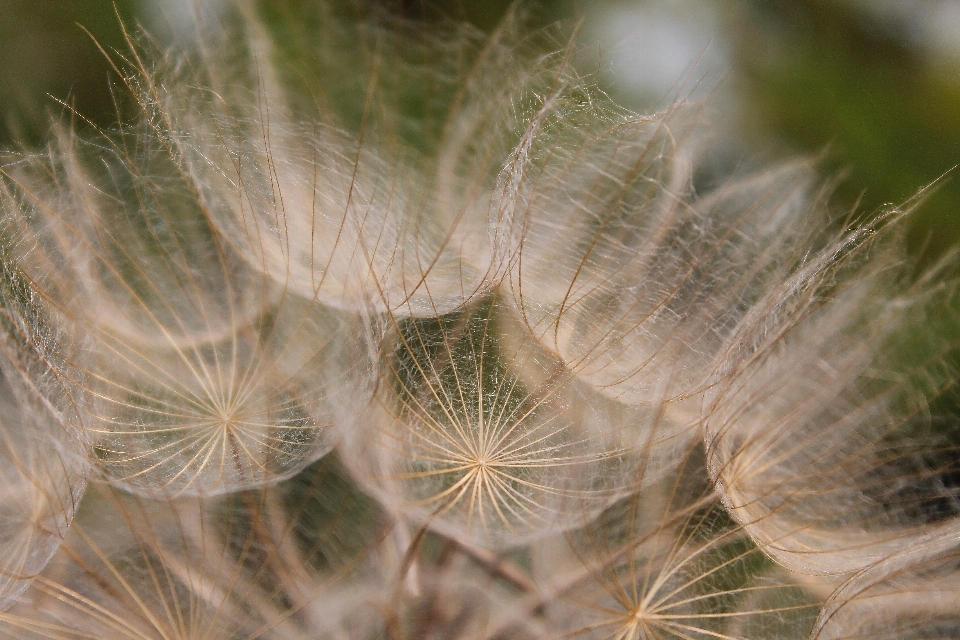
x=821, y=76
x=46, y=56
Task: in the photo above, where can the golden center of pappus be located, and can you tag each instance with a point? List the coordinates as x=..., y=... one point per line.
x=639, y=624
x=227, y=421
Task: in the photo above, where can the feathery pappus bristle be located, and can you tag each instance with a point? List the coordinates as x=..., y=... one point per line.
x=359, y=327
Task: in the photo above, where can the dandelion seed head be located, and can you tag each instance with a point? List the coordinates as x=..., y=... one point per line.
x=907, y=595
x=631, y=277
x=467, y=446
x=252, y=565
x=353, y=213
x=253, y=409
x=819, y=498
x=668, y=562
x=368, y=327
x=42, y=468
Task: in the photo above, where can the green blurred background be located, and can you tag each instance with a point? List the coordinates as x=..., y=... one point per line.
x=872, y=86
